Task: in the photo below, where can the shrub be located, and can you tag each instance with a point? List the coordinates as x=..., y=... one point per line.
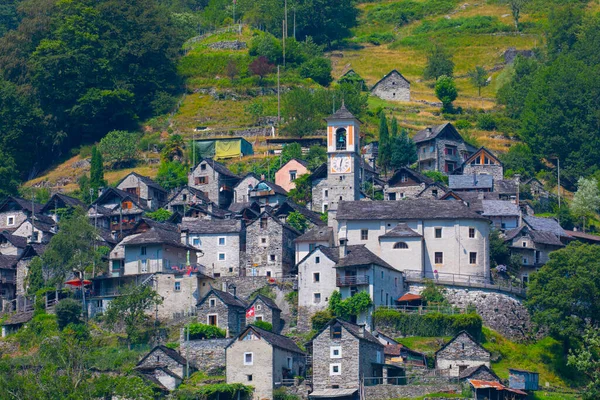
x=487, y=122
x=320, y=319
x=68, y=312
x=267, y=326
x=431, y=324
x=282, y=394
x=433, y=294
x=318, y=69
x=352, y=306
x=203, y=331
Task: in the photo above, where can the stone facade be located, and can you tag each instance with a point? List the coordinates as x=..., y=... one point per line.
x=385, y=392
x=242, y=188
x=269, y=247
x=144, y=189
x=180, y=294
x=393, y=87
x=352, y=361
x=441, y=148
x=231, y=319
x=205, y=355
x=215, y=181
x=12, y=218
x=483, y=162
x=320, y=196
x=433, y=191
x=265, y=312
x=164, y=358
x=222, y=253
x=459, y=354
x=228, y=45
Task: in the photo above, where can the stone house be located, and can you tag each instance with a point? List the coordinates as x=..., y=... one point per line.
x=503, y=214
x=405, y=183
x=319, y=191
x=264, y=309
x=242, y=189
x=11, y=245
x=15, y=210
x=267, y=194
x=537, y=189
x=144, y=189
x=116, y=210
x=269, y=246
x=224, y=310
x=311, y=239
x=284, y=209
x=441, y=148
x=164, y=365
x=533, y=248
x=359, y=270
x=479, y=372
x=8, y=278
x=288, y=172
x=264, y=360
x=460, y=353
x=222, y=243
x=547, y=225
x=37, y=229
x=433, y=191
x=247, y=211
x=186, y=198
x=341, y=355
x=392, y=86
x=398, y=354
x=438, y=237
x=215, y=181
x=59, y=201
x=316, y=280
x=483, y=162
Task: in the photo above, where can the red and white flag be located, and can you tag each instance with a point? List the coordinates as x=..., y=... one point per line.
x=250, y=312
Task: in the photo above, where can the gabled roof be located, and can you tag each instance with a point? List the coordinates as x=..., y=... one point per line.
x=299, y=161
x=394, y=71
x=545, y=224
x=146, y=180
x=289, y=206
x=460, y=334
x=317, y=234
x=270, y=215
x=401, y=231
x=540, y=237
x=438, y=185
x=410, y=209
x=8, y=262
x=467, y=373
x=266, y=185
x=353, y=329
x=332, y=253
x=359, y=255
x=240, y=207
x=147, y=370
x=248, y=175
x=193, y=191
x=505, y=186
x=434, y=131
x=21, y=203
x=218, y=167
x=178, y=358
x=417, y=176
x=478, y=153
x=268, y=302
x=159, y=233
x=275, y=340
x=410, y=297
x=226, y=298
x=122, y=195
x=59, y=200
x=208, y=227
x=495, y=208
x=475, y=181
x=17, y=241
x=342, y=113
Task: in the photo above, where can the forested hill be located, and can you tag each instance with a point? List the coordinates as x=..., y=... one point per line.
x=73, y=70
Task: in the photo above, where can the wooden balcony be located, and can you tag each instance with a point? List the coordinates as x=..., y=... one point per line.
x=352, y=281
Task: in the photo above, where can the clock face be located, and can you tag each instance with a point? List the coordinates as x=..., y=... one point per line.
x=341, y=164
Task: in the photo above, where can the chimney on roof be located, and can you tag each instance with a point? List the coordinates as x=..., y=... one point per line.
x=428, y=131
x=209, y=207
x=262, y=177
x=115, y=235
x=480, y=195
x=361, y=331
x=184, y=237
x=343, y=247
x=474, y=179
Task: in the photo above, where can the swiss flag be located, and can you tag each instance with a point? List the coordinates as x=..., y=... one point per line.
x=250, y=312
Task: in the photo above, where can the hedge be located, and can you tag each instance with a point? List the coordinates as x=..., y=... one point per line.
x=428, y=325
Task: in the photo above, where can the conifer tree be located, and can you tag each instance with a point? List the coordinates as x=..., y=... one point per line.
x=403, y=151
x=96, y=170
x=394, y=129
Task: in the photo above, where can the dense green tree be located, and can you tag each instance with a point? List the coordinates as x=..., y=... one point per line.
x=519, y=160
x=297, y=221
x=446, y=92
x=318, y=69
x=316, y=156
x=302, y=193
x=172, y=174
x=394, y=129
x=268, y=46
x=68, y=311
x=563, y=295
x=292, y=150
x=9, y=18
x=324, y=20
x=479, y=78
x=586, y=359
x=385, y=151
x=119, y=147
x=513, y=93
x=160, y=215
x=403, y=150
x=564, y=25
x=35, y=277
x=586, y=200
x=499, y=251
x=8, y=175
x=173, y=149
x=96, y=170
x=130, y=309
x=439, y=63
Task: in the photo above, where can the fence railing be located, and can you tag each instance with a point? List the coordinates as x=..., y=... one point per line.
x=352, y=280
x=422, y=310
x=473, y=281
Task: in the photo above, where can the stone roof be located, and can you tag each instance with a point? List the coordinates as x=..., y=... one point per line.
x=540, y=237
x=159, y=233
x=400, y=231
x=275, y=340
x=273, y=186
x=147, y=181
x=226, y=297
x=8, y=262
x=545, y=224
x=192, y=190
x=505, y=186
x=169, y=352
x=460, y=334
x=317, y=234
x=471, y=370
x=462, y=182
x=61, y=198
x=239, y=207
x=493, y=208
x=410, y=209
x=433, y=132
x=218, y=167
x=583, y=236
x=355, y=330
x=268, y=302
x=319, y=172
x=388, y=75
x=342, y=113
x=312, y=216
x=277, y=220
x=17, y=241
x=217, y=226
x=121, y=194
x=360, y=255
x=248, y=175
x=417, y=176
x=24, y=204
x=19, y=318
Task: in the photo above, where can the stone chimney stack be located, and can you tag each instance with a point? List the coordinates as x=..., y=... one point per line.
x=343, y=248
x=361, y=331
x=184, y=237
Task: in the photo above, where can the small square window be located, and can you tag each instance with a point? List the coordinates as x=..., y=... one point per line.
x=249, y=378
x=178, y=286
x=336, y=332
x=364, y=234
x=143, y=250
x=335, y=369
x=438, y=233
x=272, y=257
x=203, y=167
x=10, y=220
x=221, y=256
x=248, y=358
x=434, y=193
x=524, y=244
x=316, y=298
x=335, y=352
x=268, y=273
x=472, y=257
x=316, y=277
x=263, y=240
x=196, y=242
x=317, y=260
x=212, y=302
x=221, y=241
x=471, y=233
x=439, y=257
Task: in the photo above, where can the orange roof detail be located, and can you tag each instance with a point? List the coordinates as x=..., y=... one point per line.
x=410, y=297
x=494, y=385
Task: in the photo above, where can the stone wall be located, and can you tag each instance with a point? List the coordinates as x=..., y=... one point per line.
x=496, y=170
x=385, y=392
x=159, y=357
x=461, y=353
x=228, y=45
x=394, y=87
x=502, y=312
x=205, y=355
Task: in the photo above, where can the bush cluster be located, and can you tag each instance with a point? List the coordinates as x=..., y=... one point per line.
x=203, y=331
x=431, y=325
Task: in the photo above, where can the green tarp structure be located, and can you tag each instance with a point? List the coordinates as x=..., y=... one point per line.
x=223, y=148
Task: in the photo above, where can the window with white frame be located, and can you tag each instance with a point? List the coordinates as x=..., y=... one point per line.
x=316, y=298
x=438, y=233
x=290, y=363
x=248, y=358
x=316, y=277
x=221, y=256
x=177, y=286
x=222, y=241
x=335, y=369
x=212, y=302
x=335, y=352
x=10, y=220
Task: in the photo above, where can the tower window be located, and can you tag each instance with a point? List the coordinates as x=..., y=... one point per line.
x=340, y=136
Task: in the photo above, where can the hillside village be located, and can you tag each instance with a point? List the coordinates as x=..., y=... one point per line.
x=303, y=199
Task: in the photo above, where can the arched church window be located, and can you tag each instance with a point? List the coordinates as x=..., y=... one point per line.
x=400, y=245
x=340, y=142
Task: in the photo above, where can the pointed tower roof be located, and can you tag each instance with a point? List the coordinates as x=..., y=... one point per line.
x=342, y=113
